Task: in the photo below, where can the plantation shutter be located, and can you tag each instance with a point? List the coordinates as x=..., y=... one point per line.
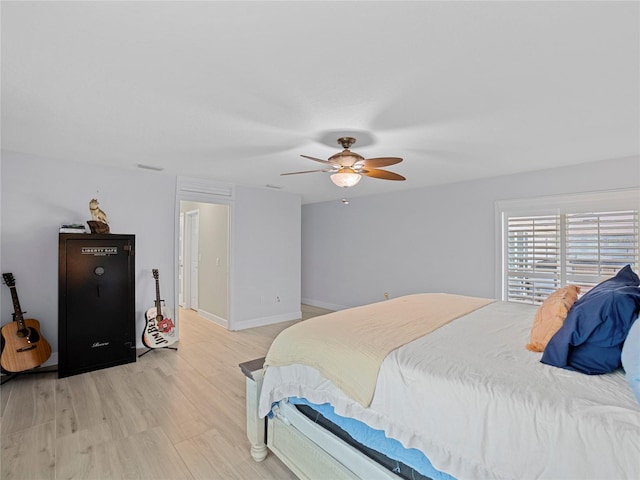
x=598, y=245
x=533, y=257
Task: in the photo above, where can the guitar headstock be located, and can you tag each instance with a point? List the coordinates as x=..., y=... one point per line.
x=155, y=273
x=8, y=279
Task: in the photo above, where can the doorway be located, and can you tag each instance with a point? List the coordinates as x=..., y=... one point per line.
x=203, y=260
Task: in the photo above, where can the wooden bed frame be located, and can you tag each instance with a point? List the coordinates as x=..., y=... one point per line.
x=305, y=448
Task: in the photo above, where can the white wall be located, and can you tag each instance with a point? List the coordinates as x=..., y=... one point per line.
x=437, y=239
x=266, y=274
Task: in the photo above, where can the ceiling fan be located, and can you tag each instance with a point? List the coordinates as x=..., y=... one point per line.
x=347, y=167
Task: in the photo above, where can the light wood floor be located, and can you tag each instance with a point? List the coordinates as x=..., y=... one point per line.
x=170, y=415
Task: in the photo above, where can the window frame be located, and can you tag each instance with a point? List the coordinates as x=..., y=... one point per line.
x=602, y=201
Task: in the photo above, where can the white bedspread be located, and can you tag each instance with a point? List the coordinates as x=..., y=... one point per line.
x=349, y=346
x=480, y=405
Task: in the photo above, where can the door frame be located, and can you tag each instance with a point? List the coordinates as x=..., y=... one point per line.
x=191, y=258
x=181, y=261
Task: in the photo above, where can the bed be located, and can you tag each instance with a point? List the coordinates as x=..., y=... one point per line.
x=463, y=391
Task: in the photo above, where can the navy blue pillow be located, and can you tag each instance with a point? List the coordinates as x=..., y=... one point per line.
x=591, y=338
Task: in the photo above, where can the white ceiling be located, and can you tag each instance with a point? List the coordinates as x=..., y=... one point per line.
x=236, y=91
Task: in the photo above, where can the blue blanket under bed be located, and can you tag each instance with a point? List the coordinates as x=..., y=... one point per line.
x=377, y=440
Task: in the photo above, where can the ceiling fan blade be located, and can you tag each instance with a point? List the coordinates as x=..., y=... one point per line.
x=318, y=160
x=383, y=174
x=380, y=162
x=306, y=171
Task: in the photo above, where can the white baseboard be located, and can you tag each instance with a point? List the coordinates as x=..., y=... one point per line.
x=214, y=318
x=262, y=321
x=328, y=306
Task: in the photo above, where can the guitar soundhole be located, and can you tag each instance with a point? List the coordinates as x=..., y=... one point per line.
x=30, y=333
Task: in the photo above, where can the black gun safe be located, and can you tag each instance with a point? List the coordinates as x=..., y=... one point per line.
x=96, y=302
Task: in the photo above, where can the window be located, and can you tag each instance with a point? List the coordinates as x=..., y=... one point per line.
x=554, y=241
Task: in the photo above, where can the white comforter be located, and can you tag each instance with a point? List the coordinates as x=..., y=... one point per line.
x=480, y=405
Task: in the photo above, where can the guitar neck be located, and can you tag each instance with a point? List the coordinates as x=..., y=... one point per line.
x=158, y=301
x=16, y=308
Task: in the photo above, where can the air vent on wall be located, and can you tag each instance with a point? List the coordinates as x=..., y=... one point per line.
x=150, y=167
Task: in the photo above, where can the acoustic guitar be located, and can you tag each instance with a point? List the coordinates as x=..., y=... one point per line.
x=24, y=346
x=159, y=330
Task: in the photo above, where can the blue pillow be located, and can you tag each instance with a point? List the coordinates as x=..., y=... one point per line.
x=631, y=358
x=591, y=338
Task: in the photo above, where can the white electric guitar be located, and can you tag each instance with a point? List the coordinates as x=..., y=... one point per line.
x=159, y=330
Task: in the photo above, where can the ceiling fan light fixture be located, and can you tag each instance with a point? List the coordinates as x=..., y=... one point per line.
x=347, y=167
x=346, y=177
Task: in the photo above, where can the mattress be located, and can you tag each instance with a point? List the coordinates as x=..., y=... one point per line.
x=408, y=463
x=480, y=405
